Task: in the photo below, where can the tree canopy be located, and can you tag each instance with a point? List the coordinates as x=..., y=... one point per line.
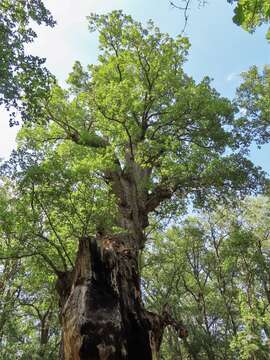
x=138, y=105
x=101, y=166
x=21, y=74
x=251, y=13
x=215, y=276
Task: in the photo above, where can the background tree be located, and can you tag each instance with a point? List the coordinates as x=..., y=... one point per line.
x=251, y=13
x=215, y=276
x=29, y=326
x=253, y=96
x=22, y=75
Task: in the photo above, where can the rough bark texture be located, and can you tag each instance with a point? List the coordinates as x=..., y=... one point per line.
x=102, y=312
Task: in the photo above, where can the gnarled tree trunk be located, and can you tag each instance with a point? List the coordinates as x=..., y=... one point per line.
x=102, y=313
x=101, y=306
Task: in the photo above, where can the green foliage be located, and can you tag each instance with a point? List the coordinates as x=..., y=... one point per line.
x=137, y=102
x=21, y=74
x=215, y=276
x=253, y=97
x=29, y=326
x=252, y=13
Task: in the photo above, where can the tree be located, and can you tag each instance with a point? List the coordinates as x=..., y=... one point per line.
x=22, y=75
x=253, y=96
x=132, y=139
x=250, y=14
x=215, y=276
x=29, y=326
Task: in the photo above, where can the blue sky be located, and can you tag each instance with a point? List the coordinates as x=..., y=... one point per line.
x=219, y=48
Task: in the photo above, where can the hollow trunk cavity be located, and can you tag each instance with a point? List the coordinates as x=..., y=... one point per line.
x=102, y=313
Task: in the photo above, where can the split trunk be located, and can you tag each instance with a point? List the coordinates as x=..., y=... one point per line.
x=102, y=314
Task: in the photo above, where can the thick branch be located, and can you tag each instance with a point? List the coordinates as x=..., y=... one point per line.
x=176, y=324
x=17, y=257
x=159, y=194
x=93, y=140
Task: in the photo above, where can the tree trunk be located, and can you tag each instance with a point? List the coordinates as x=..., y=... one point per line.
x=102, y=313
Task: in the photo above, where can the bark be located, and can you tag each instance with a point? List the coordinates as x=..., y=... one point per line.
x=102, y=312
x=44, y=332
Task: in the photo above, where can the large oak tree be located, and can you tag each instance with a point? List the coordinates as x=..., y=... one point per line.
x=133, y=139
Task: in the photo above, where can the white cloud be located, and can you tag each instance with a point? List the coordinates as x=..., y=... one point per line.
x=232, y=76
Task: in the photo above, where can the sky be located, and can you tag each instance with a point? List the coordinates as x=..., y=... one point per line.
x=219, y=48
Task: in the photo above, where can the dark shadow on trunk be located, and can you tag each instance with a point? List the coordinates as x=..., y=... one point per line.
x=102, y=313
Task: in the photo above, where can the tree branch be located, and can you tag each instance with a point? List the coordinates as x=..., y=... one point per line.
x=17, y=257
